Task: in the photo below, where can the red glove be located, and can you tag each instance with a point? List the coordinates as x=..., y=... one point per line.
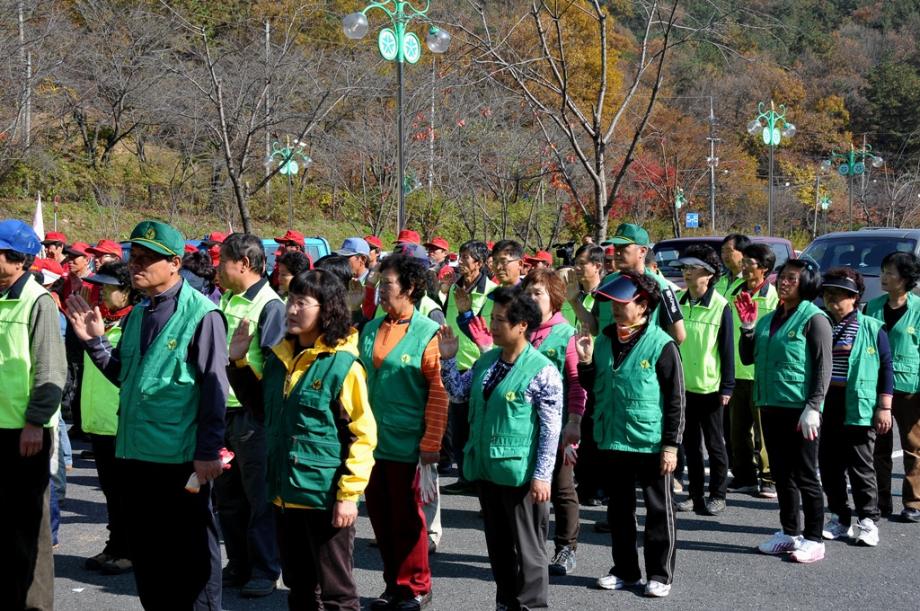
x=479, y=330
x=747, y=309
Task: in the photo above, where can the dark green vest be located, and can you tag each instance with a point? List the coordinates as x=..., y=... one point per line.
x=905, y=342
x=398, y=390
x=629, y=407
x=158, y=402
x=305, y=453
x=783, y=367
x=555, y=345
x=862, y=374
x=502, y=447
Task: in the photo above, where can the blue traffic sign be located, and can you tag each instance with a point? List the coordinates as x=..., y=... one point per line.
x=693, y=219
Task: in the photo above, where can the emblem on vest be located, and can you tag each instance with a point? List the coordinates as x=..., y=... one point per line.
x=317, y=384
x=791, y=334
x=171, y=344
x=405, y=359
x=509, y=396
x=870, y=350
x=910, y=330
x=551, y=352
x=645, y=364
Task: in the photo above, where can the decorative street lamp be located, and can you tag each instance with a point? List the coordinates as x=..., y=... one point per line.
x=853, y=164
x=773, y=126
x=399, y=45
x=286, y=156
x=679, y=198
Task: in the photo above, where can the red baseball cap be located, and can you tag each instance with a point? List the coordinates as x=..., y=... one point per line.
x=610, y=251
x=216, y=237
x=373, y=241
x=541, y=256
x=78, y=249
x=54, y=236
x=438, y=243
x=445, y=271
x=51, y=270
x=408, y=236
x=291, y=236
x=105, y=247
x=490, y=245
x=189, y=248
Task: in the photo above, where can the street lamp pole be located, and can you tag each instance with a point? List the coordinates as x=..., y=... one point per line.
x=852, y=164
x=397, y=44
x=285, y=156
x=772, y=125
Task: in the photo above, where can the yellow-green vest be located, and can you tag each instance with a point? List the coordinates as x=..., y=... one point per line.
x=629, y=406
x=726, y=286
x=158, y=403
x=767, y=300
x=784, y=368
x=236, y=308
x=16, y=375
x=699, y=352
x=905, y=342
x=480, y=305
x=98, y=396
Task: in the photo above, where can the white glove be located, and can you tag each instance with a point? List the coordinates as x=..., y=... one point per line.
x=809, y=423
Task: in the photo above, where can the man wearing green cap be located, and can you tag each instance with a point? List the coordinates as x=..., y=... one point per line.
x=631, y=244
x=33, y=369
x=171, y=367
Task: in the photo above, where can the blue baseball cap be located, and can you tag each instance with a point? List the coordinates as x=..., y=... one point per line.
x=416, y=251
x=354, y=246
x=19, y=237
x=621, y=289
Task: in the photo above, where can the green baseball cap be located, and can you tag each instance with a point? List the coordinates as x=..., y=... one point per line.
x=629, y=233
x=159, y=237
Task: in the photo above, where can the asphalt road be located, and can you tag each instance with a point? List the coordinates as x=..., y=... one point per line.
x=717, y=565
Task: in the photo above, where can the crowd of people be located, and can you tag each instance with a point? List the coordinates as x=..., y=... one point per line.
x=224, y=400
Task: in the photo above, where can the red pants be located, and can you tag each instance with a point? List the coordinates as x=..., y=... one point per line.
x=395, y=510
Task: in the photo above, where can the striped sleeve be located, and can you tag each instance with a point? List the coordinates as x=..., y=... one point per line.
x=436, y=408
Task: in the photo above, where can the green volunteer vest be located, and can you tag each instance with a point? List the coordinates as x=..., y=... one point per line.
x=16, y=375
x=398, y=390
x=905, y=342
x=726, y=286
x=699, y=352
x=605, y=313
x=481, y=305
x=555, y=345
x=236, y=308
x=98, y=396
x=765, y=304
x=629, y=408
x=158, y=403
x=784, y=370
x=863, y=372
x=427, y=305
x=502, y=446
x=305, y=451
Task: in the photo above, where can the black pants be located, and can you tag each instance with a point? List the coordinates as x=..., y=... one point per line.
x=516, y=529
x=458, y=422
x=794, y=463
x=847, y=450
x=622, y=470
x=316, y=560
x=241, y=495
x=104, y=453
x=704, y=425
x=587, y=469
x=23, y=508
x=565, y=503
x=172, y=537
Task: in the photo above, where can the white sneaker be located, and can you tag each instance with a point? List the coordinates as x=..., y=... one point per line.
x=657, y=589
x=809, y=551
x=867, y=532
x=779, y=543
x=835, y=529
x=612, y=582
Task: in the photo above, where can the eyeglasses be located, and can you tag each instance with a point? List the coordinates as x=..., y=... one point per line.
x=301, y=304
x=504, y=262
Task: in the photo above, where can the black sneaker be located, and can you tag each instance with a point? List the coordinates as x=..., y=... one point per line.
x=384, y=602
x=714, y=507
x=767, y=491
x=458, y=487
x=909, y=514
x=233, y=577
x=742, y=487
x=563, y=563
x=416, y=603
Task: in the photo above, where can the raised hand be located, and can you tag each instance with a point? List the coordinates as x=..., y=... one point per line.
x=584, y=346
x=239, y=343
x=481, y=334
x=462, y=299
x=572, y=288
x=85, y=321
x=448, y=343
x=354, y=296
x=747, y=309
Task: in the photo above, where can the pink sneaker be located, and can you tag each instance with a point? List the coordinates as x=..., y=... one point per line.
x=779, y=543
x=808, y=552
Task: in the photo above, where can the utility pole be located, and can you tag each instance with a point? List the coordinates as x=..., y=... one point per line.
x=712, y=161
x=814, y=230
x=268, y=110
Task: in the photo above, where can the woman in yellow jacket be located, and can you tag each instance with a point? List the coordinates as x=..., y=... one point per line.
x=321, y=439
